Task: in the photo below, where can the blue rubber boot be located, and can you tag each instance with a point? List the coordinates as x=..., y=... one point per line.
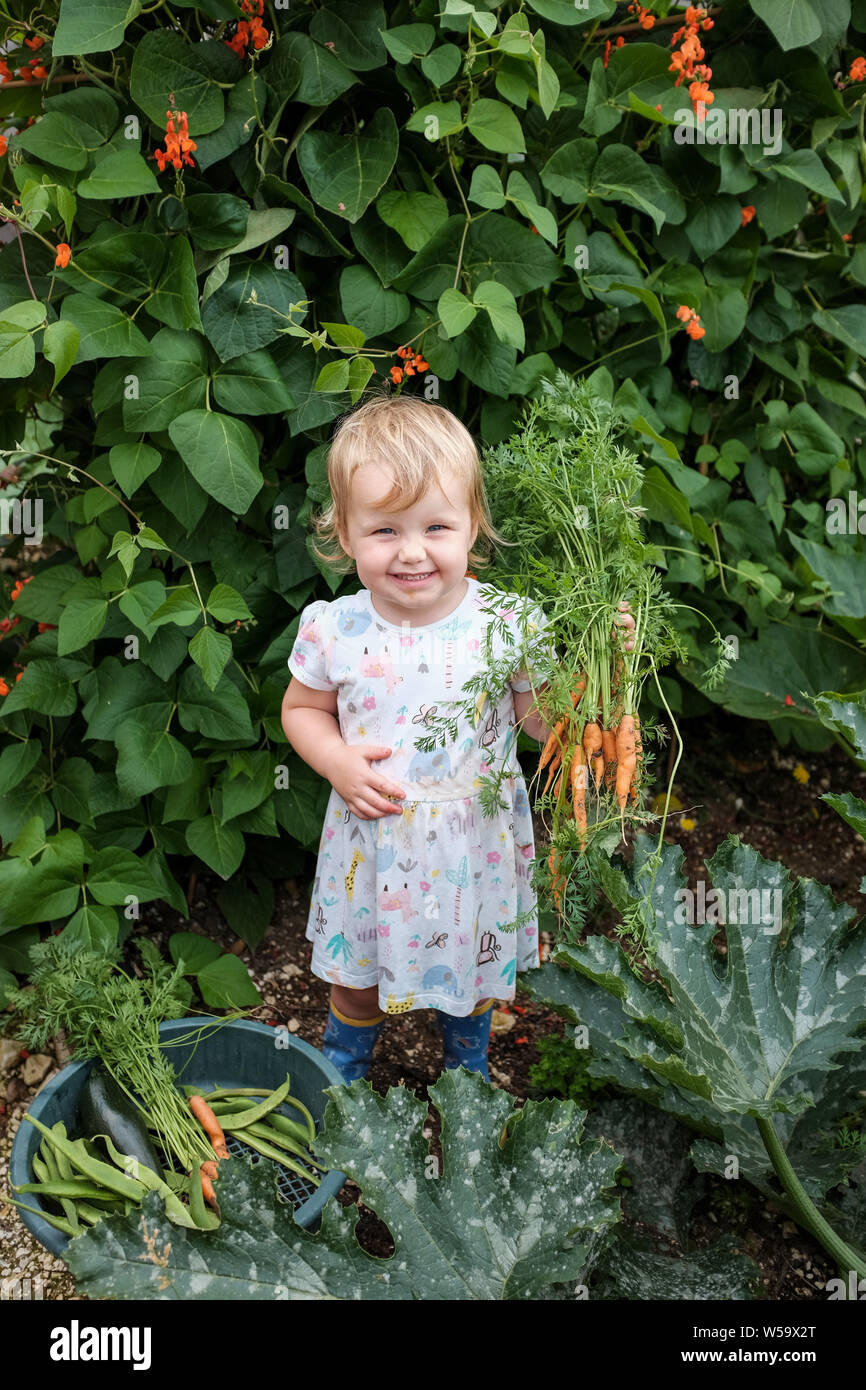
x=465, y=1040
x=349, y=1043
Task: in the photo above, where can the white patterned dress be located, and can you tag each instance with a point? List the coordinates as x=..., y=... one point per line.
x=416, y=903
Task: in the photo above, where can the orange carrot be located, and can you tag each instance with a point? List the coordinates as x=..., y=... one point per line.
x=556, y=886
x=210, y=1124
x=555, y=762
x=578, y=791
x=626, y=760
x=554, y=739
x=207, y=1185
x=608, y=745
x=638, y=748
x=592, y=749
x=552, y=745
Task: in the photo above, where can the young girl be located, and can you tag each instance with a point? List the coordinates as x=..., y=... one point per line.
x=413, y=882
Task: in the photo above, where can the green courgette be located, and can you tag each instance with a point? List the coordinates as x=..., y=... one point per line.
x=104, y=1108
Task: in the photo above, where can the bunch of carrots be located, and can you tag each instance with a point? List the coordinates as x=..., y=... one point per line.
x=565, y=497
x=612, y=756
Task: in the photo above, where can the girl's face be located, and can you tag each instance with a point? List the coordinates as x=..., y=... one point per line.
x=414, y=561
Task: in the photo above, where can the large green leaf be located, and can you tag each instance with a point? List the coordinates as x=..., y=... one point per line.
x=168, y=74
x=105, y=331
x=234, y=325
x=251, y=384
x=345, y=172
x=367, y=305
x=772, y=672
x=415, y=216
x=172, y=380
x=323, y=78
x=792, y=23
x=847, y=323
x=495, y=1223
x=352, y=32
x=789, y=1001
x=843, y=571
x=123, y=174
x=58, y=139
x=846, y=714
x=222, y=455
x=92, y=28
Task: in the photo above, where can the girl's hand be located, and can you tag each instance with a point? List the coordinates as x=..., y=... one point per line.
x=626, y=622
x=361, y=786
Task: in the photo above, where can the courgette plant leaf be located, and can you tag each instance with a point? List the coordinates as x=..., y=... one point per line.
x=742, y=1034
x=497, y=1223
x=640, y=1271
x=597, y=1019
x=664, y=1185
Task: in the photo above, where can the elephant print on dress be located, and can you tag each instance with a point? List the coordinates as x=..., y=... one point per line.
x=436, y=765
x=440, y=977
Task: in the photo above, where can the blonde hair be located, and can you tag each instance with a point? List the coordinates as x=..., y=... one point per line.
x=422, y=444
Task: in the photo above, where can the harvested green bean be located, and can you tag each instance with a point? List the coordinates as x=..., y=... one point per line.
x=282, y=1141
x=100, y=1172
x=57, y=1221
x=64, y=1167
x=58, y=1189
x=290, y=1127
x=41, y=1169
x=255, y=1113
x=205, y=1220
x=236, y=1091
x=299, y=1105
x=269, y=1151
x=154, y=1182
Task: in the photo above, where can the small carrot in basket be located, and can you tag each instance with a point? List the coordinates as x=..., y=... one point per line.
x=207, y=1187
x=210, y=1124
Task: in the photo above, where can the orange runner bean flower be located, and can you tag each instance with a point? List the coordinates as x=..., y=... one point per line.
x=3, y=144
x=642, y=15
x=19, y=585
x=746, y=215
x=177, y=143
x=4, y=689
x=64, y=251
x=35, y=42
x=692, y=321
x=687, y=61
x=857, y=71
x=250, y=30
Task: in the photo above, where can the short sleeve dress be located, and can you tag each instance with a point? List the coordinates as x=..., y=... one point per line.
x=417, y=903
